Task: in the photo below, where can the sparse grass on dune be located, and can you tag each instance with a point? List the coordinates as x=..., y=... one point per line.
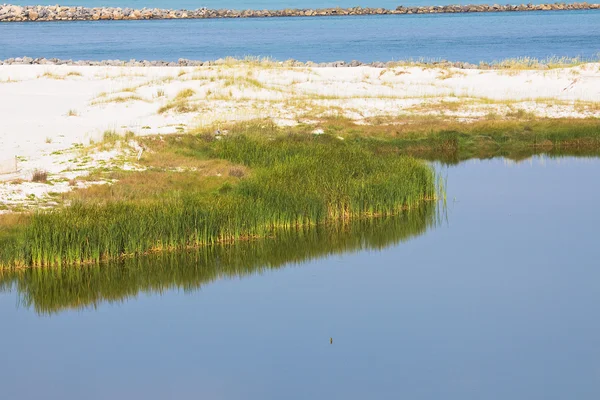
x=52, y=75
x=241, y=82
x=516, y=63
x=9, y=80
x=255, y=62
x=118, y=99
x=180, y=103
x=587, y=106
x=291, y=181
x=528, y=63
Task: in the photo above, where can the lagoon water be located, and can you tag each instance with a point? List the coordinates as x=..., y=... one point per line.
x=457, y=37
x=498, y=300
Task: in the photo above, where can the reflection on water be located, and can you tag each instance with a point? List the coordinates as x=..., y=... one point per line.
x=53, y=290
x=498, y=302
x=450, y=153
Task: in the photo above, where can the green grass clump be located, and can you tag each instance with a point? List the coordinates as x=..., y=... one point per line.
x=295, y=181
x=52, y=290
x=452, y=142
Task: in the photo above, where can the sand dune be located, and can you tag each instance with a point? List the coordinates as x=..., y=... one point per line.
x=49, y=111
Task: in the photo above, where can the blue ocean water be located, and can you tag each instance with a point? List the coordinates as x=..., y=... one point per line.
x=457, y=37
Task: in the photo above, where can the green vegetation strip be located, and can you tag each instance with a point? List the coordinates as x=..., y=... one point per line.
x=451, y=141
x=52, y=290
x=295, y=181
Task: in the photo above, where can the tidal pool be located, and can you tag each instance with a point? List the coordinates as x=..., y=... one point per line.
x=494, y=296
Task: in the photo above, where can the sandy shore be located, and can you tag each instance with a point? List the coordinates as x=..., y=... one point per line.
x=50, y=112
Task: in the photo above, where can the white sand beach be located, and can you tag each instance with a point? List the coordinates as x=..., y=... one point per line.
x=48, y=112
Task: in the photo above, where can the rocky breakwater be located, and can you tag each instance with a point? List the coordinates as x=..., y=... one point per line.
x=183, y=62
x=12, y=13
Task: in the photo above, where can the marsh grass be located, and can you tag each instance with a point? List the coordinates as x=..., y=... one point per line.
x=450, y=141
x=292, y=180
x=295, y=181
x=53, y=290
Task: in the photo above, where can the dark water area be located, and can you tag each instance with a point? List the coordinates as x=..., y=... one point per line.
x=456, y=37
x=494, y=296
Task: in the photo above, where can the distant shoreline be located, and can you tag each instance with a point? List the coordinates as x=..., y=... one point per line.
x=510, y=63
x=37, y=13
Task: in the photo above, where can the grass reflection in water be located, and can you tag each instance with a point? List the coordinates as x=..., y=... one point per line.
x=52, y=290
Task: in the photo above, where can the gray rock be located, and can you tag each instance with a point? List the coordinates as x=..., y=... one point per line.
x=10, y=13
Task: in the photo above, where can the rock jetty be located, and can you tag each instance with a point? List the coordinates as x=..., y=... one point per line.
x=12, y=13
x=184, y=62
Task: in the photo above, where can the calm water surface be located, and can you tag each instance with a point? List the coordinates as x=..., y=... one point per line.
x=457, y=37
x=498, y=301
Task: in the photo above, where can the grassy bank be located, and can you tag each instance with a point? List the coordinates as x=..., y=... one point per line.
x=451, y=141
x=274, y=182
x=260, y=179
x=52, y=290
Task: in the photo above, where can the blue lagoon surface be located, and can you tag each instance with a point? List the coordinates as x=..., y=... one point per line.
x=499, y=300
x=456, y=37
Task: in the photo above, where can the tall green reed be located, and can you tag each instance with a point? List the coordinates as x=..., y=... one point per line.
x=52, y=290
x=296, y=181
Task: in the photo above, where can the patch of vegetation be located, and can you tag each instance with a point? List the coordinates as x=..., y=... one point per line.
x=242, y=81
x=52, y=290
x=522, y=63
x=180, y=103
x=450, y=141
x=110, y=136
x=39, y=176
x=51, y=75
x=118, y=99
x=184, y=94
x=288, y=182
